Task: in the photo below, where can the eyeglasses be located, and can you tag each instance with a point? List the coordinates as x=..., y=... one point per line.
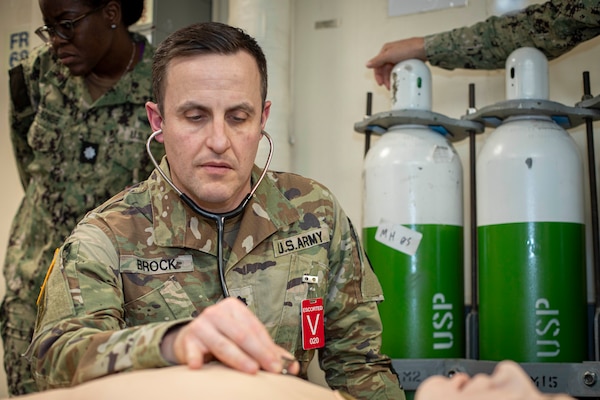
x=64, y=29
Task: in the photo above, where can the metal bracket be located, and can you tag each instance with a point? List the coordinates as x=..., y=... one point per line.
x=592, y=102
x=454, y=129
x=565, y=116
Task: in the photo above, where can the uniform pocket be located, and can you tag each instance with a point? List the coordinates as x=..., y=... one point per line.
x=47, y=130
x=128, y=140
x=168, y=302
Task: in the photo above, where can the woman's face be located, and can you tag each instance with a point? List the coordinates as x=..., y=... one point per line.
x=91, y=35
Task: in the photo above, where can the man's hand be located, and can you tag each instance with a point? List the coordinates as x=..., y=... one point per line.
x=229, y=332
x=392, y=53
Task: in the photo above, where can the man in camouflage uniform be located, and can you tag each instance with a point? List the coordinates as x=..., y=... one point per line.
x=554, y=27
x=137, y=283
x=72, y=153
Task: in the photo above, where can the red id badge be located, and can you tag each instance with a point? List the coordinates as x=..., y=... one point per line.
x=313, y=328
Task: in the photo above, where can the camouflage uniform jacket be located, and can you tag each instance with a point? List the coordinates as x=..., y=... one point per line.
x=144, y=262
x=554, y=27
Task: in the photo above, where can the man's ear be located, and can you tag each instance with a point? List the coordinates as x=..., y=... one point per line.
x=265, y=114
x=155, y=119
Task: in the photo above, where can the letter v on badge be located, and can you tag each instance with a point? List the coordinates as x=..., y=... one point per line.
x=313, y=329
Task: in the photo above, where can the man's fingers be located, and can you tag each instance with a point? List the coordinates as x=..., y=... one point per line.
x=194, y=353
x=478, y=384
x=245, y=332
x=231, y=333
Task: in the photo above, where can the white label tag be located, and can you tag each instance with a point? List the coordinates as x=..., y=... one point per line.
x=442, y=154
x=398, y=237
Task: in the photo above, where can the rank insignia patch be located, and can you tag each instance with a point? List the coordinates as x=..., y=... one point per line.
x=89, y=152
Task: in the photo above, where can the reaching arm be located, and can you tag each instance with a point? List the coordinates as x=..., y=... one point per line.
x=82, y=333
x=554, y=27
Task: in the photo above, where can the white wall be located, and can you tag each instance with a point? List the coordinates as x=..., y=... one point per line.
x=329, y=86
x=330, y=82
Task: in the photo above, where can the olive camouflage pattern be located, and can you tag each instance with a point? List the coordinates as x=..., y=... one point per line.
x=71, y=155
x=144, y=262
x=554, y=27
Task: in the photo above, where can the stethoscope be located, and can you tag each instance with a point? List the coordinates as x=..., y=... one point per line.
x=219, y=218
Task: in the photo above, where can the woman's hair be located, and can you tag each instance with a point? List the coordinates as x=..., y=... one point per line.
x=131, y=10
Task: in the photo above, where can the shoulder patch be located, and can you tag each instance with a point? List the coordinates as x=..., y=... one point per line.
x=46, y=277
x=56, y=291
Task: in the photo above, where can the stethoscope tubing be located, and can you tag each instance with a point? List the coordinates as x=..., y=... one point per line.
x=219, y=218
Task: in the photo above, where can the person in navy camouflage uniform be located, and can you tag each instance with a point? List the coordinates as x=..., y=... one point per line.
x=78, y=129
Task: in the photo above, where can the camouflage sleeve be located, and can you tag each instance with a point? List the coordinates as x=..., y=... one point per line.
x=80, y=333
x=554, y=27
x=22, y=112
x=351, y=358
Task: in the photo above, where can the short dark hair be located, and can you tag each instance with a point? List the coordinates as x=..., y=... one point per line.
x=204, y=38
x=131, y=10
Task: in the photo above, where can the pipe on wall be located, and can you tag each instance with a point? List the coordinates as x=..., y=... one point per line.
x=269, y=22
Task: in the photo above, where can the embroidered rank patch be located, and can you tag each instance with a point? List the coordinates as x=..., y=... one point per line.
x=155, y=266
x=89, y=152
x=302, y=241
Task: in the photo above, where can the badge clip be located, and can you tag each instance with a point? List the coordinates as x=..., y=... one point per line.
x=310, y=279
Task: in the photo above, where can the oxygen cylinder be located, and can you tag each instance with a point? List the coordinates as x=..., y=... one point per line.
x=413, y=228
x=532, y=288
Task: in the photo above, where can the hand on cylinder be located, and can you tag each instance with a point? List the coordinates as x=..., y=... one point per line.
x=392, y=53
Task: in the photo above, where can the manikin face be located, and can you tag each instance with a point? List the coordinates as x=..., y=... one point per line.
x=212, y=124
x=508, y=382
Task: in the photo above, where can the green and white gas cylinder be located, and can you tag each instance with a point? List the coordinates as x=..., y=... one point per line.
x=532, y=290
x=413, y=228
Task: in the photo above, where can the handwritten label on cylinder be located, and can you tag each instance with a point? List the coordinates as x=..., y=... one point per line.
x=398, y=237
